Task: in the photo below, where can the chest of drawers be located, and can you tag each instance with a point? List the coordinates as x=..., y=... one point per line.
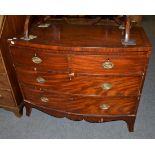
x=81, y=72
x=10, y=94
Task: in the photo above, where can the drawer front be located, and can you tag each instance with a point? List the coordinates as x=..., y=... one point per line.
x=86, y=85
x=81, y=105
x=109, y=65
x=2, y=70
x=6, y=98
x=4, y=84
x=40, y=59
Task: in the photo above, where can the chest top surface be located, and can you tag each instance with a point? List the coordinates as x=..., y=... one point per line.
x=60, y=35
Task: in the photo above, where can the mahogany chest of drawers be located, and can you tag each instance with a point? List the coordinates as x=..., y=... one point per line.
x=81, y=72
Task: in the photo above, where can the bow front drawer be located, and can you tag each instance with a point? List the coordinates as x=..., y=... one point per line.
x=110, y=65
x=85, y=85
x=81, y=105
x=39, y=59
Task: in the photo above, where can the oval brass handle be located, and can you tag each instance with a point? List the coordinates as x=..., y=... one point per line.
x=40, y=80
x=107, y=65
x=104, y=106
x=44, y=99
x=106, y=86
x=36, y=60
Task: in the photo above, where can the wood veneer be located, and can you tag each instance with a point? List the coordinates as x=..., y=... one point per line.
x=122, y=64
x=11, y=97
x=83, y=85
x=80, y=105
x=72, y=69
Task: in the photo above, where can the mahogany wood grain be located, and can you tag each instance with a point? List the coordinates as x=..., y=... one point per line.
x=129, y=119
x=122, y=64
x=72, y=66
x=81, y=105
x=83, y=85
x=70, y=35
x=53, y=62
x=11, y=26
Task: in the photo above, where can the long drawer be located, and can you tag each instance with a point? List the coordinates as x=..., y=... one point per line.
x=86, y=85
x=81, y=105
x=37, y=58
x=4, y=84
x=6, y=98
x=111, y=65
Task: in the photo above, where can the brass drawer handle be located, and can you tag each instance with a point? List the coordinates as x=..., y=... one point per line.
x=106, y=86
x=107, y=65
x=40, y=80
x=104, y=106
x=36, y=60
x=44, y=99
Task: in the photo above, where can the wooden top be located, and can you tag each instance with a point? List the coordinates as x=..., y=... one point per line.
x=62, y=36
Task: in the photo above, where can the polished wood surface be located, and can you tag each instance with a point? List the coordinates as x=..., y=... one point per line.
x=84, y=36
x=49, y=61
x=81, y=71
x=9, y=89
x=122, y=64
x=81, y=105
x=83, y=85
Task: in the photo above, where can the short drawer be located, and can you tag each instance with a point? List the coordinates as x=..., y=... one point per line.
x=6, y=98
x=39, y=59
x=110, y=65
x=4, y=84
x=81, y=105
x=85, y=85
x=2, y=70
